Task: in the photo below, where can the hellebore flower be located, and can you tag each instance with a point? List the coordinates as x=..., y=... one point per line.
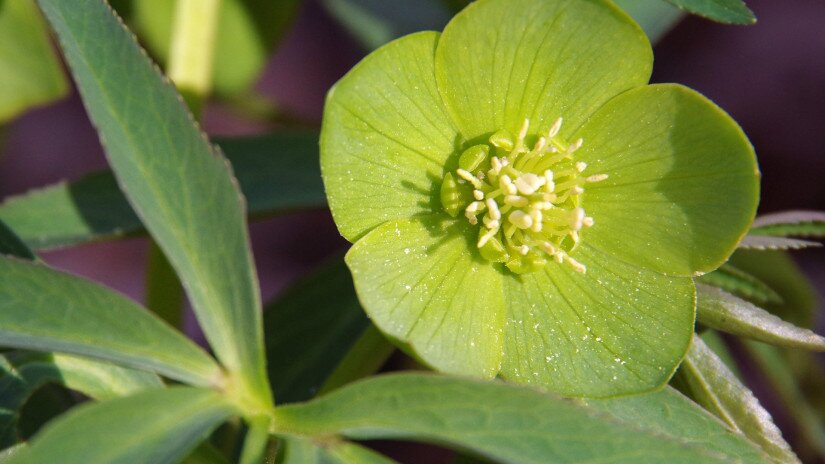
x=523, y=204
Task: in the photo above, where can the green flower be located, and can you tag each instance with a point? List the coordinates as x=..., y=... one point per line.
x=492, y=237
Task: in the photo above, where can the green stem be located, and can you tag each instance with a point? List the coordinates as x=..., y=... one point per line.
x=192, y=49
x=366, y=356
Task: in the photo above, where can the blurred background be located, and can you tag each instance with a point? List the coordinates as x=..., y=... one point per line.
x=770, y=77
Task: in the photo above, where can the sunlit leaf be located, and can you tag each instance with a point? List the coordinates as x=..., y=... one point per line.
x=766, y=242
x=740, y=283
x=178, y=183
x=723, y=11
x=790, y=224
x=717, y=389
x=720, y=310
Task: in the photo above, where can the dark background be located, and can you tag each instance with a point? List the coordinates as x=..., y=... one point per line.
x=770, y=77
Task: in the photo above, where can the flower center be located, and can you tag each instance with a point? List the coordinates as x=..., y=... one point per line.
x=526, y=201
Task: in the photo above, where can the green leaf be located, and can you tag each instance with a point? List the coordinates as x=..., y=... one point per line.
x=765, y=242
x=779, y=272
x=790, y=223
x=740, y=283
x=615, y=330
x=513, y=424
x=364, y=358
x=179, y=184
x=661, y=206
x=440, y=303
x=385, y=137
x=720, y=310
x=376, y=22
x=309, y=330
x=774, y=368
x=499, y=62
x=717, y=389
x=154, y=427
x=656, y=17
x=11, y=245
x=303, y=451
x=22, y=374
x=97, y=380
x=30, y=73
x=723, y=11
x=277, y=172
x=46, y=310
x=247, y=32
x=669, y=413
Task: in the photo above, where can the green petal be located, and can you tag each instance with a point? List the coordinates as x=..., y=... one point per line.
x=615, y=330
x=501, y=61
x=683, y=181
x=385, y=137
x=421, y=287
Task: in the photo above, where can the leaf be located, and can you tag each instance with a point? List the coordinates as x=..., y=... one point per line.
x=723, y=11
x=720, y=310
x=11, y=245
x=153, y=427
x=656, y=17
x=278, y=173
x=30, y=73
x=309, y=330
x=670, y=414
x=21, y=374
x=247, y=32
x=717, y=389
x=303, y=451
x=256, y=442
x=777, y=270
x=513, y=424
x=376, y=22
x=773, y=368
x=46, y=310
x=765, y=242
x=740, y=283
x=178, y=183
x=790, y=223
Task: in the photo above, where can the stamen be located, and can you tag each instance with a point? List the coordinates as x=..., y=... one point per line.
x=555, y=128
x=493, y=207
x=526, y=201
x=520, y=219
x=466, y=175
x=596, y=178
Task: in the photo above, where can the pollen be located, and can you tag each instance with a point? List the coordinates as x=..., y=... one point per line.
x=524, y=198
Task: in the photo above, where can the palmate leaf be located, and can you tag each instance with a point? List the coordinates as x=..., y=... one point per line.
x=790, y=224
x=513, y=424
x=30, y=73
x=153, y=427
x=718, y=390
x=720, y=310
x=740, y=283
x=47, y=310
x=766, y=242
x=277, y=173
x=21, y=374
x=178, y=183
x=723, y=11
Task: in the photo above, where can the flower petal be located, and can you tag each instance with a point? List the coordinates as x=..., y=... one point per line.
x=615, y=330
x=501, y=61
x=683, y=181
x=385, y=137
x=421, y=286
